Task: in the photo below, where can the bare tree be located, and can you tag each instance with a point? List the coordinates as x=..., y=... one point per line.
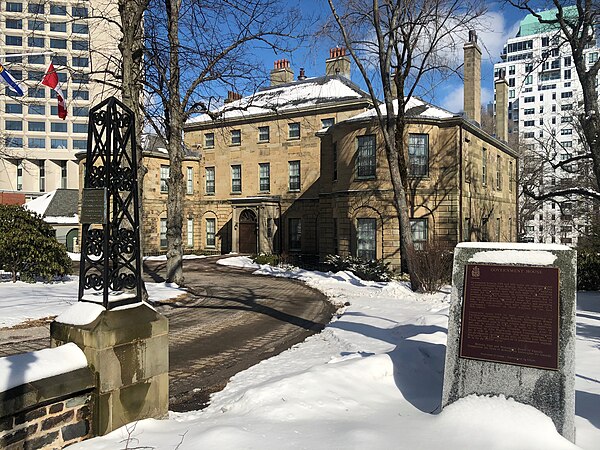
x=193, y=48
x=577, y=31
x=399, y=45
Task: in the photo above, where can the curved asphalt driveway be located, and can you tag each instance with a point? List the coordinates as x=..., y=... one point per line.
x=230, y=321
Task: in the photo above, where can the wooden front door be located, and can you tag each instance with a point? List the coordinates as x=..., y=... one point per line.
x=247, y=232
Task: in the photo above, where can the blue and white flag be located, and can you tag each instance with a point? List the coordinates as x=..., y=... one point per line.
x=12, y=83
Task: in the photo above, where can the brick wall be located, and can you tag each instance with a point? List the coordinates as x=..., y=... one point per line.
x=47, y=414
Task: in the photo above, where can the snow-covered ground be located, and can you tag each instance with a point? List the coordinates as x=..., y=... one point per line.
x=20, y=301
x=371, y=379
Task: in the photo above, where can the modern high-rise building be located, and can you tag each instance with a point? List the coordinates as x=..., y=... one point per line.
x=37, y=148
x=544, y=94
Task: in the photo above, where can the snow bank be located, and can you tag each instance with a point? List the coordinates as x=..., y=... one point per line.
x=28, y=367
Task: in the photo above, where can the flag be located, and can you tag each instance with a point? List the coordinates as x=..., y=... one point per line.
x=51, y=80
x=12, y=83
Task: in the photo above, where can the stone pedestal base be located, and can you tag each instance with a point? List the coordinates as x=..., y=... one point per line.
x=128, y=350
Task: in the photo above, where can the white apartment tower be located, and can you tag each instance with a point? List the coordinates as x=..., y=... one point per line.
x=37, y=148
x=543, y=94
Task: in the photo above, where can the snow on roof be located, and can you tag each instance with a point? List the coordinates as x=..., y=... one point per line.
x=59, y=206
x=40, y=205
x=289, y=97
x=415, y=107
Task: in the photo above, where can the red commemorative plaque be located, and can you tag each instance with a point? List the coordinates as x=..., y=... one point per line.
x=511, y=315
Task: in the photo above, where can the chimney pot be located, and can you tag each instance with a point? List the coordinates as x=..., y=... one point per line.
x=302, y=75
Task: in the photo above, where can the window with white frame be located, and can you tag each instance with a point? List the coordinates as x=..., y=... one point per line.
x=236, y=178
x=365, y=156
x=418, y=154
x=236, y=137
x=190, y=180
x=328, y=122
x=294, y=130
x=366, y=239
x=211, y=225
x=164, y=178
x=163, y=232
x=263, y=134
x=294, y=175
x=210, y=180
x=209, y=140
x=498, y=172
x=484, y=166
x=190, y=232
x=264, y=175
x=418, y=228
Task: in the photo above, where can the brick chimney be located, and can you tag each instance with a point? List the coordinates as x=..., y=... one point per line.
x=338, y=63
x=472, y=68
x=501, y=90
x=232, y=97
x=281, y=73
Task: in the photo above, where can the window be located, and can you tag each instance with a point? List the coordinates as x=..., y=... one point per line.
x=511, y=82
x=36, y=59
x=14, y=40
x=59, y=27
x=81, y=78
x=365, y=156
x=418, y=154
x=36, y=143
x=14, y=24
x=80, y=28
x=294, y=130
x=163, y=232
x=335, y=162
x=511, y=70
x=510, y=176
x=545, y=41
x=498, y=172
x=294, y=175
x=79, y=144
x=566, y=119
x=328, y=122
x=81, y=111
x=418, y=229
x=467, y=230
x=13, y=142
x=592, y=57
x=19, y=175
x=567, y=94
x=164, y=178
x=77, y=44
x=366, y=238
x=14, y=7
x=36, y=92
x=209, y=140
x=35, y=8
x=58, y=43
x=210, y=232
x=79, y=11
x=529, y=123
x=14, y=125
x=263, y=134
x=190, y=181
x=236, y=137
x=529, y=79
x=567, y=74
x=236, y=178
x=80, y=61
x=80, y=128
x=37, y=110
x=264, y=170
x=58, y=10
x=295, y=234
x=210, y=180
x=484, y=166
x=58, y=144
x=79, y=94
x=35, y=25
x=15, y=59
x=13, y=108
x=33, y=41
x=566, y=131
x=36, y=126
x=41, y=175
x=511, y=93
x=63, y=174
x=190, y=232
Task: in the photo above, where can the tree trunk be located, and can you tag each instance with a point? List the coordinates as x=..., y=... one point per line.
x=174, y=133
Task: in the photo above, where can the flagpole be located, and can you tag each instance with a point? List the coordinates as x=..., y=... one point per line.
x=14, y=55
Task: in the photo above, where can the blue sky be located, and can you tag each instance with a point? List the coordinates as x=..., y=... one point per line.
x=501, y=21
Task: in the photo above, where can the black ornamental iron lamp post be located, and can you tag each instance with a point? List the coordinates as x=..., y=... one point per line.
x=110, y=266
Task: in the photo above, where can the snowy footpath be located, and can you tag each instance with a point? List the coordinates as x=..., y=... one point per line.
x=371, y=380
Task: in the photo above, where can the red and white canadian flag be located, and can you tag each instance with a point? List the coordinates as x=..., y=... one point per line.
x=51, y=80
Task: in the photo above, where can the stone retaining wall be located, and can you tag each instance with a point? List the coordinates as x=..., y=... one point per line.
x=47, y=414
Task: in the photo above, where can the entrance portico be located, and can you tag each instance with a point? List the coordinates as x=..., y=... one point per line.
x=255, y=225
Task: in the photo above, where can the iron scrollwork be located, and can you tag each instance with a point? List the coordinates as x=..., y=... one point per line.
x=110, y=252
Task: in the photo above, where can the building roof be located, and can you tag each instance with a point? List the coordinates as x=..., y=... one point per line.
x=58, y=206
x=415, y=107
x=530, y=25
x=286, y=98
